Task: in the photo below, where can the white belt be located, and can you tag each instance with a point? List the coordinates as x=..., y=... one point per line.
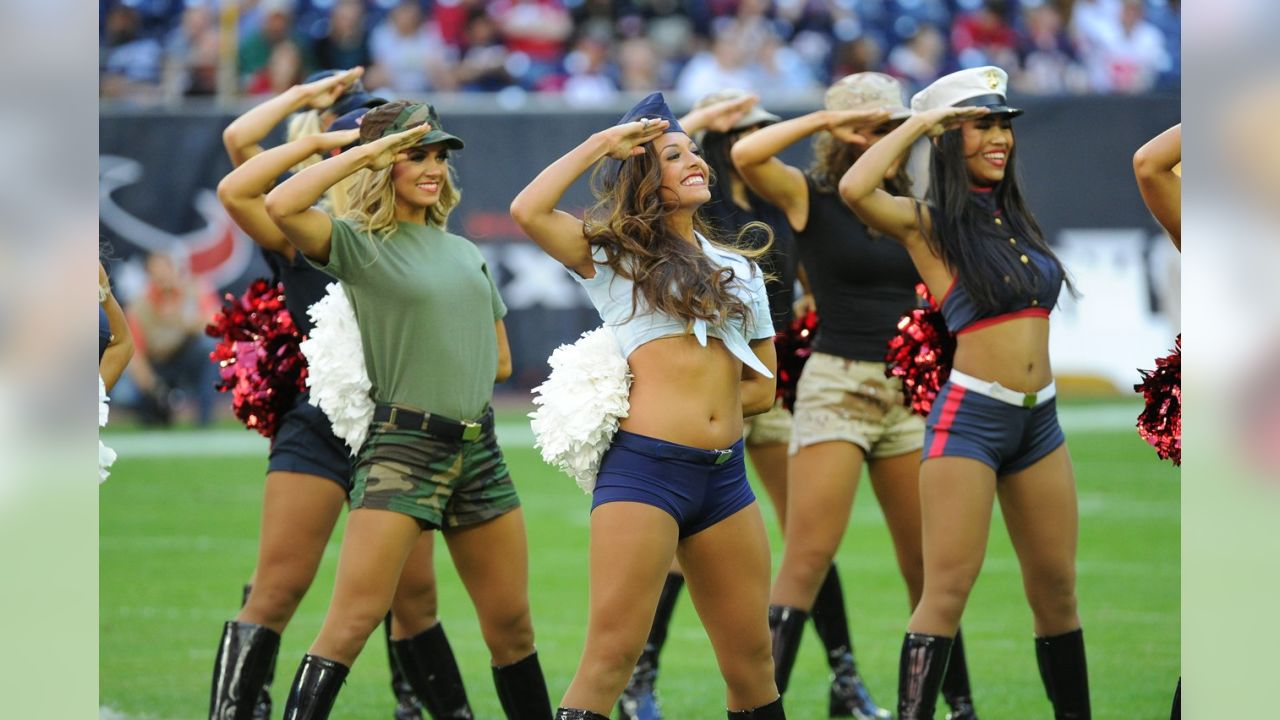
x=996, y=391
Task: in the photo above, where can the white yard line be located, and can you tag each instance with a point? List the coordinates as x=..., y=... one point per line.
x=243, y=443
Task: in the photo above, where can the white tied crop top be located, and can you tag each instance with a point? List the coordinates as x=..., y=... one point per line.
x=611, y=295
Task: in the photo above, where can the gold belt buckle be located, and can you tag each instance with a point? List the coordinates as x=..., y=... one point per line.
x=471, y=431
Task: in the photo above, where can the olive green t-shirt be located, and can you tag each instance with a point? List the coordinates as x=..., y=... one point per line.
x=426, y=306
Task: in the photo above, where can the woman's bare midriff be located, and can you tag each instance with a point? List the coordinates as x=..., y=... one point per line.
x=685, y=393
x=1014, y=353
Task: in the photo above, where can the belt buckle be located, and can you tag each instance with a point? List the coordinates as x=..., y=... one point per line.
x=1029, y=400
x=471, y=431
x=724, y=456
x=391, y=420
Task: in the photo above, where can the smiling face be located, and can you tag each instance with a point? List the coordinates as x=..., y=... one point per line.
x=685, y=175
x=988, y=142
x=419, y=180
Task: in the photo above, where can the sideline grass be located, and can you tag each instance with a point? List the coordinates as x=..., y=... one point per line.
x=178, y=539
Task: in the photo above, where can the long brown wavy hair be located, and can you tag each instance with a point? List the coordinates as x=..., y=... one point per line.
x=670, y=275
x=833, y=158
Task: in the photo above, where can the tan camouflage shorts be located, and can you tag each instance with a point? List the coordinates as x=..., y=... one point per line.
x=771, y=428
x=852, y=401
x=442, y=483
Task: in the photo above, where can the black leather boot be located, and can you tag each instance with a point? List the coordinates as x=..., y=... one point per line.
x=921, y=666
x=262, y=707
x=786, y=625
x=955, y=684
x=849, y=697
x=572, y=714
x=522, y=690
x=246, y=655
x=639, y=699
x=315, y=688
x=1065, y=674
x=1176, y=712
x=407, y=705
x=430, y=668
x=772, y=711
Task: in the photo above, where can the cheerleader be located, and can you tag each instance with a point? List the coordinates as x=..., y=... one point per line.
x=993, y=430
x=115, y=342
x=309, y=472
x=692, y=318
x=433, y=341
x=847, y=413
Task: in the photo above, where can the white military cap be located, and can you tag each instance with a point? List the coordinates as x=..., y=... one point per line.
x=975, y=87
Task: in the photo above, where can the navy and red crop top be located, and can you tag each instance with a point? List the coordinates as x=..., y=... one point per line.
x=963, y=315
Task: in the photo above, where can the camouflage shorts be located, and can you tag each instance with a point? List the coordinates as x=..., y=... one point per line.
x=443, y=484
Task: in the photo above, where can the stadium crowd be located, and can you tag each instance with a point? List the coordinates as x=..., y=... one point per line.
x=590, y=51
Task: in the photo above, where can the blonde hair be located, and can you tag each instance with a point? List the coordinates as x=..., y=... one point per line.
x=304, y=124
x=372, y=203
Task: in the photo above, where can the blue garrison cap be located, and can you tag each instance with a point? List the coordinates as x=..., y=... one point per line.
x=653, y=106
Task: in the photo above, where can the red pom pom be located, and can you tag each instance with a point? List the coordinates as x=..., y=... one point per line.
x=1160, y=422
x=921, y=354
x=793, y=346
x=258, y=356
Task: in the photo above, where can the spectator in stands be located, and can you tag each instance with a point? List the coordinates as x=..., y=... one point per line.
x=409, y=54
x=269, y=52
x=167, y=321
x=128, y=61
x=984, y=36
x=1167, y=18
x=639, y=67
x=919, y=61
x=1127, y=56
x=191, y=53
x=723, y=66
x=588, y=82
x=1047, y=59
x=863, y=54
x=347, y=43
x=536, y=30
x=780, y=69
x=484, y=56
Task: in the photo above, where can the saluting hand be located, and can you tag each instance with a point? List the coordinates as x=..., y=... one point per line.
x=627, y=140
x=386, y=151
x=719, y=117
x=848, y=125
x=940, y=120
x=323, y=93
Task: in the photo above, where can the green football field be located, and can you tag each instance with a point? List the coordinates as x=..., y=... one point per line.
x=178, y=530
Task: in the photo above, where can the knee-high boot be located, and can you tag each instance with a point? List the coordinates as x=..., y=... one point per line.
x=849, y=696
x=786, y=625
x=772, y=711
x=315, y=688
x=522, y=690
x=246, y=657
x=430, y=669
x=921, y=666
x=1065, y=674
x=955, y=684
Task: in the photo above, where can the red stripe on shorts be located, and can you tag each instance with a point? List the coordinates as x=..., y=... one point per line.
x=955, y=394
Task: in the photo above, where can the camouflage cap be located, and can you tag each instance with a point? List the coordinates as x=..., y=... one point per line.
x=867, y=91
x=412, y=115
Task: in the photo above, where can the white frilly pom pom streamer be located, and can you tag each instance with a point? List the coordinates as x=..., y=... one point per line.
x=106, y=456
x=336, y=373
x=580, y=405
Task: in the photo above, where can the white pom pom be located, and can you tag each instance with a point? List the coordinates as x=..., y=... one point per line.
x=106, y=456
x=336, y=371
x=580, y=405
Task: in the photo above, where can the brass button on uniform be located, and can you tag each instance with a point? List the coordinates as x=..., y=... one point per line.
x=1034, y=302
x=1013, y=241
x=1024, y=259
x=999, y=222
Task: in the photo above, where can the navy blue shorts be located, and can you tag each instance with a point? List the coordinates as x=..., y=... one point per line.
x=305, y=443
x=697, y=487
x=1008, y=438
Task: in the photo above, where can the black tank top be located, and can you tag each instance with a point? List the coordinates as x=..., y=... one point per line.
x=303, y=285
x=779, y=262
x=862, y=284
